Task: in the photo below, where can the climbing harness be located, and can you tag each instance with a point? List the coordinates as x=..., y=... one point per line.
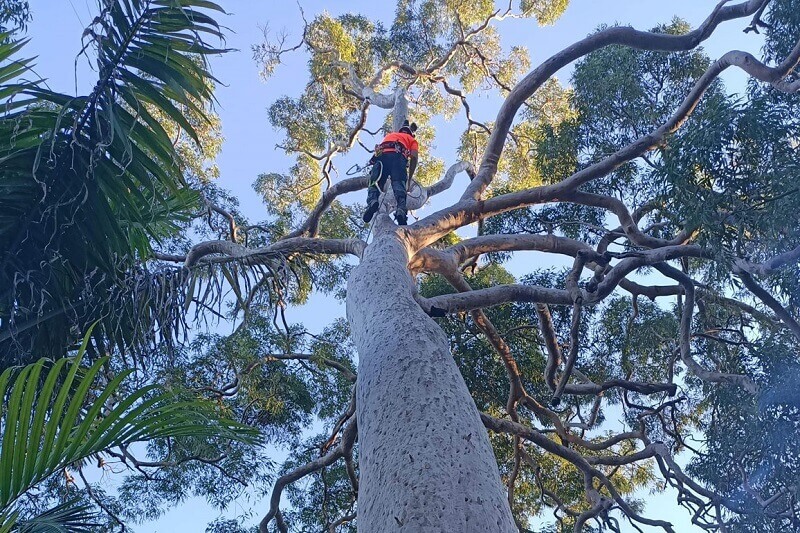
x=413, y=189
x=392, y=146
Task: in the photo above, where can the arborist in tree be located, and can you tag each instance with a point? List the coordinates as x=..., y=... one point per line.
x=391, y=157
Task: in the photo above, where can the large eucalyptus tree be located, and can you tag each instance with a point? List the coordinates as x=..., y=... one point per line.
x=701, y=186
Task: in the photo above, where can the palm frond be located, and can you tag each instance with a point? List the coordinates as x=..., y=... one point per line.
x=68, y=517
x=72, y=412
x=88, y=183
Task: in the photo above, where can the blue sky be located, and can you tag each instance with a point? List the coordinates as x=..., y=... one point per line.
x=249, y=139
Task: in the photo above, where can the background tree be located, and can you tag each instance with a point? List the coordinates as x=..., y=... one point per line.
x=90, y=182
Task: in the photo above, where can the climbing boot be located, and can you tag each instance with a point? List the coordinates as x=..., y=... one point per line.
x=400, y=217
x=370, y=212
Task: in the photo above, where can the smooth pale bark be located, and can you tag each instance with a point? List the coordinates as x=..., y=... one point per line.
x=426, y=464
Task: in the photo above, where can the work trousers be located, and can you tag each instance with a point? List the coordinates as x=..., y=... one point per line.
x=390, y=165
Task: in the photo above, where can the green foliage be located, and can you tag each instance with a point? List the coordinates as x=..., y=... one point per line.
x=545, y=11
x=422, y=34
x=70, y=412
x=750, y=444
x=622, y=94
x=104, y=162
x=242, y=376
x=222, y=525
x=70, y=517
x=14, y=15
x=632, y=344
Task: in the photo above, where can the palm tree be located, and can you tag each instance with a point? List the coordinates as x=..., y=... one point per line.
x=88, y=183
x=50, y=420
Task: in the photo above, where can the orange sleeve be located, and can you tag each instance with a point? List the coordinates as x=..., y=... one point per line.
x=414, y=145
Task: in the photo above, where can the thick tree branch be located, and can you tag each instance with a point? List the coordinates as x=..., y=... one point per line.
x=232, y=227
x=617, y=35
x=770, y=266
x=484, y=244
x=628, y=224
x=470, y=208
x=310, y=226
x=252, y=256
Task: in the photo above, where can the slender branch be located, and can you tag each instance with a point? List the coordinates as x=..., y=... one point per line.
x=686, y=336
x=346, y=372
x=628, y=224
x=573, y=352
x=516, y=390
x=232, y=227
x=311, y=225
x=346, y=443
x=769, y=300
x=445, y=183
x=99, y=501
x=553, y=351
x=341, y=521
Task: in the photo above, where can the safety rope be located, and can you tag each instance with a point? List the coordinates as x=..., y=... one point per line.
x=382, y=196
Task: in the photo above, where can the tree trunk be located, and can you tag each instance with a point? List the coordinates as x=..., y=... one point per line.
x=426, y=464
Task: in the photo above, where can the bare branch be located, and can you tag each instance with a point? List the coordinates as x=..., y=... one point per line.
x=346, y=443
x=509, y=243
x=253, y=256
x=452, y=303
x=346, y=372
x=445, y=183
x=686, y=336
x=769, y=301
x=232, y=227
x=341, y=521
x=573, y=352
x=617, y=35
